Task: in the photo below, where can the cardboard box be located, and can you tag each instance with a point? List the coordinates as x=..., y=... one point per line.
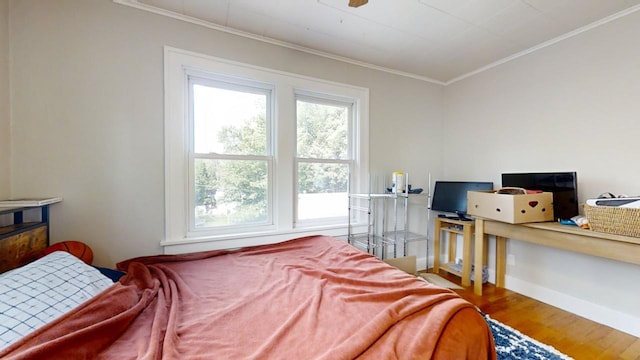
x=406, y=264
x=514, y=209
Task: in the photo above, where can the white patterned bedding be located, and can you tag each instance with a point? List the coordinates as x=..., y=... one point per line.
x=39, y=292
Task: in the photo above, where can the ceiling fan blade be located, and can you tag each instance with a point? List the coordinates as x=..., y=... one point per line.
x=356, y=3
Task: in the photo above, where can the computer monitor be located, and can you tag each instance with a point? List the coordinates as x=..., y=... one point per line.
x=563, y=185
x=451, y=196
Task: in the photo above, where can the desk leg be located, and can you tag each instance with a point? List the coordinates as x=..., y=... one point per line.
x=453, y=242
x=501, y=256
x=479, y=244
x=466, y=255
x=436, y=247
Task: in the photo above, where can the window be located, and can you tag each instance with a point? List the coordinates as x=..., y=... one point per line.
x=323, y=157
x=254, y=155
x=231, y=157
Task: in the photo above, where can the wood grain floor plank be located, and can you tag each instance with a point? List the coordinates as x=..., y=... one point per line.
x=571, y=334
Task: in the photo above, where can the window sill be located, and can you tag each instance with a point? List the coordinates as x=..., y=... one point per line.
x=235, y=241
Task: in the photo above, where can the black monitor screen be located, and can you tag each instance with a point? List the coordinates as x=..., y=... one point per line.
x=563, y=185
x=451, y=196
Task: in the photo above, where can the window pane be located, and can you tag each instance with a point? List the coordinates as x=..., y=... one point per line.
x=229, y=122
x=322, y=190
x=322, y=130
x=230, y=192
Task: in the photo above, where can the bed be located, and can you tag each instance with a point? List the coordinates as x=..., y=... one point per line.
x=309, y=298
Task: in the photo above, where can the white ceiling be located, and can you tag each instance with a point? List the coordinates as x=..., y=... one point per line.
x=436, y=40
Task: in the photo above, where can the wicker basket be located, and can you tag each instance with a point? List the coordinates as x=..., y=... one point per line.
x=614, y=220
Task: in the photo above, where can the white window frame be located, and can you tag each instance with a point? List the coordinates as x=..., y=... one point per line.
x=223, y=82
x=333, y=100
x=178, y=64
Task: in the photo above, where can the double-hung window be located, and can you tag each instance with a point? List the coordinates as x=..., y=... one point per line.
x=231, y=155
x=254, y=155
x=324, y=156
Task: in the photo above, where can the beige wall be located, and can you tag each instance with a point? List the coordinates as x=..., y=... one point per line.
x=570, y=106
x=88, y=111
x=87, y=104
x=4, y=100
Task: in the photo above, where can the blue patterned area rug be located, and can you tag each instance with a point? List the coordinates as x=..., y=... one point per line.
x=512, y=344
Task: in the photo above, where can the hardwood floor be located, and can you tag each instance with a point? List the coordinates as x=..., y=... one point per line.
x=571, y=334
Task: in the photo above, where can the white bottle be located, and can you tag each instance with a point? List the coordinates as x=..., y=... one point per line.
x=398, y=182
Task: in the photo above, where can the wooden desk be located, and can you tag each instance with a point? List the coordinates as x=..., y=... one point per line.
x=551, y=234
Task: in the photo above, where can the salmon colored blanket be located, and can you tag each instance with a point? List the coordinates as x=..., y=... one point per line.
x=309, y=298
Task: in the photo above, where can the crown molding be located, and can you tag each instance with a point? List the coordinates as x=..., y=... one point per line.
x=136, y=4
x=548, y=43
x=156, y=10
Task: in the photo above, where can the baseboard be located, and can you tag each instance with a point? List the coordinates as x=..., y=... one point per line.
x=594, y=312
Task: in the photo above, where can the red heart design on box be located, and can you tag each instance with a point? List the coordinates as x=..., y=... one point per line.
x=533, y=203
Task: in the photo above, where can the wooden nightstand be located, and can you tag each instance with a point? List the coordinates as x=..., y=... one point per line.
x=26, y=235
x=452, y=228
